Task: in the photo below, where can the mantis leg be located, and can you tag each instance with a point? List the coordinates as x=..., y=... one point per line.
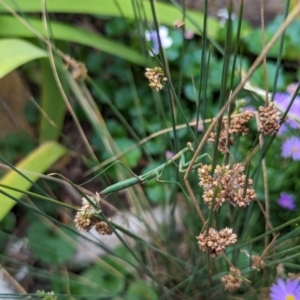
x=145, y=177
x=184, y=165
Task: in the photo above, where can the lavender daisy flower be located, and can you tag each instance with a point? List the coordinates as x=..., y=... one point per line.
x=289, y=290
x=166, y=40
x=291, y=148
x=287, y=201
x=282, y=100
x=289, y=123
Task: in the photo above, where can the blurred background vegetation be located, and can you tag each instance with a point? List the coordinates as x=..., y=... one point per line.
x=91, y=130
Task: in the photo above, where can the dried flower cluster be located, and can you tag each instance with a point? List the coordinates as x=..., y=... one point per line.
x=257, y=262
x=156, y=78
x=232, y=282
x=225, y=139
x=216, y=241
x=226, y=185
x=280, y=270
x=269, y=118
x=78, y=69
x=86, y=217
x=103, y=228
x=237, y=125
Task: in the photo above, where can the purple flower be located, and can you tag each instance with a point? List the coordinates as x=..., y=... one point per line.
x=249, y=108
x=151, y=36
x=189, y=34
x=283, y=128
x=289, y=290
x=291, y=88
x=287, y=201
x=169, y=154
x=283, y=100
x=291, y=148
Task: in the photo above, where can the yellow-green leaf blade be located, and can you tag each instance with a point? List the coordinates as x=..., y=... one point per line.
x=10, y=26
x=16, y=52
x=167, y=13
x=38, y=161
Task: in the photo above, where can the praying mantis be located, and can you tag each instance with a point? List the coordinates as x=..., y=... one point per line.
x=155, y=173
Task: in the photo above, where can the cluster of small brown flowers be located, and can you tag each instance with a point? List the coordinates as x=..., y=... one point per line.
x=78, y=69
x=238, y=123
x=156, y=78
x=225, y=185
x=103, y=228
x=257, y=262
x=216, y=241
x=280, y=270
x=86, y=217
x=225, y=139
x=269, y=118
x=232, y=282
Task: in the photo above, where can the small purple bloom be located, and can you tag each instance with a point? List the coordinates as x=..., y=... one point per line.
x=287, y=201
x=291, y=88
x=200, y=127
x=289, y=290
x=283, y=100
x=249, y=108
x=166, y=40
x=291, y=148
x=293, y=124
x=289, y=123
x=169, y=154
x=283, y=128
x=189, y=34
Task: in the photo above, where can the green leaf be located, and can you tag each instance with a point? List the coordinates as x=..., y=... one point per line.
x=167, y=13
x=139, y=290
x=15, y=52
x=133, y=156
x=158, y=193
x=52, y=104
x=38, y=161
x=97, y=283
x=9, y=26
x=291, y=40
x=259, y=75
x=56, y=247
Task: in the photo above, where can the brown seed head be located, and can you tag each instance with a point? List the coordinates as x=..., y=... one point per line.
x=103, y=228
x=216, y=241
x=226, y=185
x=269, y=118
x=84, y=221
x=78, y=69
x=156, y=78
x=257, y=262
x=231, y=281
x=238, y=123
x=86, y=218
